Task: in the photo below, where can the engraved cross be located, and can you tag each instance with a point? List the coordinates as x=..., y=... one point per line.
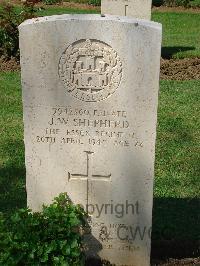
x=89, y=177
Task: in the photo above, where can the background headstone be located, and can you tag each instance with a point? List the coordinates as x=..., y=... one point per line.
x=90, y=92
x=131, y=8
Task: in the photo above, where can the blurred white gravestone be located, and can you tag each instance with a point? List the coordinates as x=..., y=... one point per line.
x=90, y=92
x=131, y=8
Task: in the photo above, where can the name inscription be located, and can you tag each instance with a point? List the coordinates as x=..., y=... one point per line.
x=73, y=126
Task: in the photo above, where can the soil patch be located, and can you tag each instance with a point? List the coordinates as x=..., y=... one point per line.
x=170, y=262
x=180, y=69
x=62, y=5
x=12, y=2
x=9, y=65
x=70, y=5
x=173, y=69
x=182, y=262
x=176, y=9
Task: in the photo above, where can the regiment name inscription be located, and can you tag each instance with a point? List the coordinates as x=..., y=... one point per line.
x=67, y=125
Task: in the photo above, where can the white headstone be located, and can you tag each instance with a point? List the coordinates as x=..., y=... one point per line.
x=90, y=92
x=131, y=8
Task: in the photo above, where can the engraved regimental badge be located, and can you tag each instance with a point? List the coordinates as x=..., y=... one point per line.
x=90, y=70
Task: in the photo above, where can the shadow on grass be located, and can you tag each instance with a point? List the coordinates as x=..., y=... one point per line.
x=176, y=221
x=12, y=178
x=168, y=52
x=12, y=191
x=176, y=225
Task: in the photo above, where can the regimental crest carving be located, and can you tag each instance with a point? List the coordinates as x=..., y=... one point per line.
x=90, y=70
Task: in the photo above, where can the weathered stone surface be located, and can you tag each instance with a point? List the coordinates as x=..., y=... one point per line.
x=90, y=91
x=131, y=8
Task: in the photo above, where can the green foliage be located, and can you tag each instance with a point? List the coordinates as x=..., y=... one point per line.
x=10, y=18
x=195, y=3
x=184, y=3
x=94, y=2
x=157, y=2
x=51, y=2
x=50, y=237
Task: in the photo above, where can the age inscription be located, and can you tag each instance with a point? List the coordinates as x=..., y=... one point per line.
x=94, y=127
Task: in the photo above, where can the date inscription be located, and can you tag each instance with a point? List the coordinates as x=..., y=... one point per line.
x=74, y=126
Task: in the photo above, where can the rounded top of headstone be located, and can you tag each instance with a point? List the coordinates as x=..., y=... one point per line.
x=93, y=17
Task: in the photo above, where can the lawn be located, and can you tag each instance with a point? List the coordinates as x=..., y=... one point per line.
x=181, y=36
x=178, y=138
x=12, y=169
x=59, y=11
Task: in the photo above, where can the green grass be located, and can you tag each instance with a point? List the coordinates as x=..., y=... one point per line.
x=181, y=36
x=12, y=169
x=59, y=11
x=177, y=170
x=178, y=138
